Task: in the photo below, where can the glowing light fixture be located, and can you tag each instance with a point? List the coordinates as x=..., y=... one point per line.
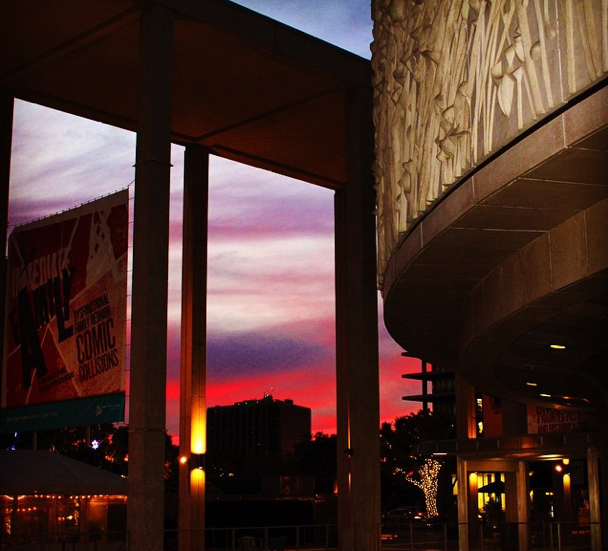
x=197, y=480
x=198, y=437
x=558, y=346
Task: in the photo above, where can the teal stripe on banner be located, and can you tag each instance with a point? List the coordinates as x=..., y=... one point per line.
x=71, y=413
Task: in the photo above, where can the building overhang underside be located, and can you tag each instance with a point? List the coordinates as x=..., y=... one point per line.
x=512, y=260
x=246, y=87
x=533, y=447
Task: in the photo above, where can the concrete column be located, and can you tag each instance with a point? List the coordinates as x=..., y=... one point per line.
x=463, y=504
x=511, y=496
x=473, y=507
x=561, y=497
x=603, y=475
x=523, y=516
x=357, y=338
x=595, y=518
x=193, y=404
x=6, y=136
x=147, y=405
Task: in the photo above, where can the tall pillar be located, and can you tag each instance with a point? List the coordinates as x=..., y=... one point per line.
x=523, y=511
x=511, y=498
x=463, y=503
x=193, y=404
x=561, y=496
x=603, y=476
x=472, y=501
x=357, y=338
x=595, y=518
x=147, y=404
x=6, y=135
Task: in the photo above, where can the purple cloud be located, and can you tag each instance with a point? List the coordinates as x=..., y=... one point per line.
x=244, y=353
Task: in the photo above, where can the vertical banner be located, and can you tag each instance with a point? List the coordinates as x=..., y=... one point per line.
x=65, y=328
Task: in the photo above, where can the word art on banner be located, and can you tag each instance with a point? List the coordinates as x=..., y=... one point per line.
x=65, y=338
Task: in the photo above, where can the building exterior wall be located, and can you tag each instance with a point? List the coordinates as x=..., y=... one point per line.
x=455, y=81
x=255, y=428
x=487, y=114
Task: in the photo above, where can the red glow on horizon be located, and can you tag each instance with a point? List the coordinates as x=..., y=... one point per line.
x=313, y=389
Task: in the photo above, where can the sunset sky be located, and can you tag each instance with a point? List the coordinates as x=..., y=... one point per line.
x=271, y=289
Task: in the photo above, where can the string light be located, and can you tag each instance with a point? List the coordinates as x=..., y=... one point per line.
x=429, y=476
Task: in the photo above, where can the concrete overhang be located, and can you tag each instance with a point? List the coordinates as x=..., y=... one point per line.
x=534, y=447
x=247, y=87
x=513, y=260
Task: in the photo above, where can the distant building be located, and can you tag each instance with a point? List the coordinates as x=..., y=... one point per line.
x=257, y=428
x=248, y=446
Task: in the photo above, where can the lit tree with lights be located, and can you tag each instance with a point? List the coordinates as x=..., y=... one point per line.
x=401, y=464
x=429, y=475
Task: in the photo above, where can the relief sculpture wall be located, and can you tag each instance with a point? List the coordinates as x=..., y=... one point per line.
x=456, y=80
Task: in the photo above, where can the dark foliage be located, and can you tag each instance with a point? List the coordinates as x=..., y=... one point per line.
x=105, y=446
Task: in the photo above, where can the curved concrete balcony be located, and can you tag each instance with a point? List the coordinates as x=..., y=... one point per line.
x=513, y=260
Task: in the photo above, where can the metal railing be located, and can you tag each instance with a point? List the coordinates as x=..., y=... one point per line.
x=414, y=536
x=503, y=536
x=319, y=537
x=65, y=541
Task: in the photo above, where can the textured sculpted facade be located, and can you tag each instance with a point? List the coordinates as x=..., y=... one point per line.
x=457, y=80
